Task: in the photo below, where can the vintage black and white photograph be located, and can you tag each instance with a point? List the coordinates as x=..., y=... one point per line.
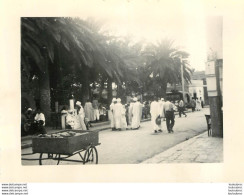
x=128, y=85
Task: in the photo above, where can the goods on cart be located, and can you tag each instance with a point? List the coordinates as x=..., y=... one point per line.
x=61, y=135
x=64, y=142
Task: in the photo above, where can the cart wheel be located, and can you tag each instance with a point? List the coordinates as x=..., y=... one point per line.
x=91, y=156
x=48, y=159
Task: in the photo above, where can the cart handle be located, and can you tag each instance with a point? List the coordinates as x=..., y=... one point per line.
x=27, y=154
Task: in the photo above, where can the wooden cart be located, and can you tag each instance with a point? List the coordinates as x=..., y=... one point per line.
x=53, y=150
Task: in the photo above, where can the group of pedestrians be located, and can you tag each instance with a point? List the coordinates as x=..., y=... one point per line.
x=161, y=109
x=129, y=116
x=75, y=118
x=196, y=104
x=93, y=110
x=81, y=118
x=33, y=122
x=125, y=116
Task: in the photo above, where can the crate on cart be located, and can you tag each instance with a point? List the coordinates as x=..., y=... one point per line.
x=65, y=145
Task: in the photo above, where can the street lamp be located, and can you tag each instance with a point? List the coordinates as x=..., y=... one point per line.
x=182, y=77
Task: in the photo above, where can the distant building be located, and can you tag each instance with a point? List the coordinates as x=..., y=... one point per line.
x=197, y=88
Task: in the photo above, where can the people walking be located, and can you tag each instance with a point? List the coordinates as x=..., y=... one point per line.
x=193, y=104
x=145, y=110
x=201, y=102
x=198, y=105
x=95, y=110
x=118, y=111
x=123, y=119
x=89, y=111
x=80, y=117
x=161, y=107
x=169, y=115
x=130, y=111
x=102, y=112
x=112, y=119
x=181, y=108
x=155, y=113
x=127, y=114
x=136, y=114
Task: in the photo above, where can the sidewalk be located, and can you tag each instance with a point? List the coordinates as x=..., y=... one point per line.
x=199, y=149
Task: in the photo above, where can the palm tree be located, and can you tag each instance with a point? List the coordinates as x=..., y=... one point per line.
x=67, y=46
x=164, y=65
x=45, y=39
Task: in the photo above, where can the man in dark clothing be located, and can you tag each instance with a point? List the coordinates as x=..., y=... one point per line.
x=193, y=104
x=168, y=109
x=27, y=120
x=201, y=101
x=181, y=108
x=127, y=114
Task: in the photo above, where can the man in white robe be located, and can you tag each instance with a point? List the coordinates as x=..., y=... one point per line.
x=161, y=106
x=136, y=114
x=80, y=117
x=89, y=111
x=155, y=110
x=111, y=116
x=130, y=111
x=96, y=115
x=198, y=105
x=118, y=112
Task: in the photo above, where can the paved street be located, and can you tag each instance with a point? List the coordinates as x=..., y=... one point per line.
x=136, y=146
x=200, y=149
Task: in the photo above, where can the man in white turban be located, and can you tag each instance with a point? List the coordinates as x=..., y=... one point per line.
x=155, y=111
x=80, y=117
x=118, y=113
x=136, y=114
x=114, y=101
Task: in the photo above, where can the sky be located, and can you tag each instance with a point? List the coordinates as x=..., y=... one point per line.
x=152, y=20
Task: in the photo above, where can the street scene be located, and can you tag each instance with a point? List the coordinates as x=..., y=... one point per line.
x=126, y=147
x=96, y=93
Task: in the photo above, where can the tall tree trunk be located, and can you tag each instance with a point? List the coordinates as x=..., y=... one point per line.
x=110, y=91
x=101, y=89
x=119, y=91
x=163, y=89
x=85, y=85
x=44, y=84
x=45, y=97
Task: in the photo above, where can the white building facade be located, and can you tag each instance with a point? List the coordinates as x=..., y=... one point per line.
x=196, y=89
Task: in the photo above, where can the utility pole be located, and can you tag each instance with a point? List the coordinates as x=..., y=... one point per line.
x=182, y=78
